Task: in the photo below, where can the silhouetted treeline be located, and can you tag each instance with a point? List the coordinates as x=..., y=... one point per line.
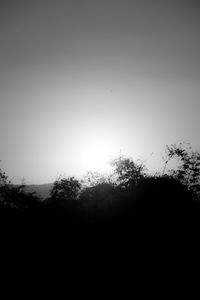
x=128, y=198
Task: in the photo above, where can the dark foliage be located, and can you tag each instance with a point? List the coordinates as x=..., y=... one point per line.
x=15, y=202
x=65, y=189
x=188, y=171
x=129, y=199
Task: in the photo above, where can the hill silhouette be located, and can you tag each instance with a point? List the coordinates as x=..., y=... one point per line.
x=42, y=190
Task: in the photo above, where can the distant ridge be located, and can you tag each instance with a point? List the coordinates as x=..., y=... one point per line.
x=42, y=190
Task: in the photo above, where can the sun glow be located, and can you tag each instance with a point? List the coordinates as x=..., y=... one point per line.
x=97, y=155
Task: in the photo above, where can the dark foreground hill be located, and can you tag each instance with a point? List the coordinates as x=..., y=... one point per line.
x=154, y=222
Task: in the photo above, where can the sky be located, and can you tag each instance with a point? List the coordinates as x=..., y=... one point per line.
x=84, y=81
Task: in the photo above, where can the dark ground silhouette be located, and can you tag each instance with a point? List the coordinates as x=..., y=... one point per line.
x=133, y=204
x=161, y=202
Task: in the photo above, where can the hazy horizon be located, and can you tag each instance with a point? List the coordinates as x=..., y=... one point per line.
x=83, y=81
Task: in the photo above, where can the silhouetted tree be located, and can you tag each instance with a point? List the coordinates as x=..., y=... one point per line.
x=14, y=196
x=17, y=198
x=188, y=171
x=3, y=183
x=3, y=178
x=65, y=189
x=127, y=172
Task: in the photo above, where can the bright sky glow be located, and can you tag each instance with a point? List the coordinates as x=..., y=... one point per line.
x=81, y=81
x=96, y=154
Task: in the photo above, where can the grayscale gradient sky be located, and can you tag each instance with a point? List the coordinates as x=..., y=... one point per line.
x=124, y=74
